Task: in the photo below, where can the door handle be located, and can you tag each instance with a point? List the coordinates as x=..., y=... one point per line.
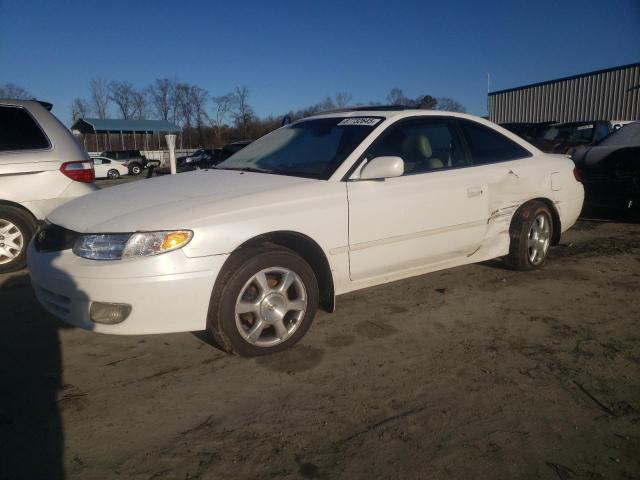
x=474, y=192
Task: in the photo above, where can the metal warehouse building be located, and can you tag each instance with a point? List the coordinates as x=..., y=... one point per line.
x=611, y=94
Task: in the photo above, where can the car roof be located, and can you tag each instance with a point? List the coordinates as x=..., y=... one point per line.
x=21, y=102
x=396, y=112
x=392, y=115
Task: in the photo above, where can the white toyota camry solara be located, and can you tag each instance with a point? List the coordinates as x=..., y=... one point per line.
x=251, y=249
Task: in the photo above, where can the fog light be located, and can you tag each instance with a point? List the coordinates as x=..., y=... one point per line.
x=109, y=313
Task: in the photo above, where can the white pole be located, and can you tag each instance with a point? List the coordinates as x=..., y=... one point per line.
x=171, y=143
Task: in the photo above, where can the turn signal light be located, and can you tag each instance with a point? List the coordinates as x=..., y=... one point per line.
x=175, y=239
x=81, y=171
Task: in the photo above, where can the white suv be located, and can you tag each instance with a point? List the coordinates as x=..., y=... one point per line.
x=41, y=167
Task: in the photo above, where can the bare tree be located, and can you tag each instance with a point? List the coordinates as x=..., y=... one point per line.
x=79, y=109
x=342, y=99
x=11, y=90
x=183, y=105
x=183, y=108
x=139, y=105
x=123, y=95
x=222, y=106
x=99, y=90
x=450, y=105
x=396, y=97
x=160, y=94
x=198, y=97
x=326, y=105
x=242, y=112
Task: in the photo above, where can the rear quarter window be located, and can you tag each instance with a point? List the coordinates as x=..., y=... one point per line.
x=19, y=131
x=488, y=146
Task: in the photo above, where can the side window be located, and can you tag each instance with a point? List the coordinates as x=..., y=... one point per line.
x=106, y=162
x=19, y=131
x=489, y=146
x=97, y=161
x=424, y=145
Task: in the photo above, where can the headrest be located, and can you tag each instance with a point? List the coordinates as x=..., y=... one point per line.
x=417, y=143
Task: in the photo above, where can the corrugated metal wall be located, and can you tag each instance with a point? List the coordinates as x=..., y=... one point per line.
x=612, y=94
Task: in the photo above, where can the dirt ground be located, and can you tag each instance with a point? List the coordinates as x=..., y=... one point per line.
x=474, y=372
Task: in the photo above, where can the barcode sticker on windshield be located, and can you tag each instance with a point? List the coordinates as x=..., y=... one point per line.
x=360, y=121
x=584, y=127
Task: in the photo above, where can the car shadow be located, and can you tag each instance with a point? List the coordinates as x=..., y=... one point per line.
x=31, y=384
x=497, y=263
x=205, y=336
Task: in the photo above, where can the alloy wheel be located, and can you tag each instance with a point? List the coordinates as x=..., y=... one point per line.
x=538, y=239
x=11, y=241
x=271, y=306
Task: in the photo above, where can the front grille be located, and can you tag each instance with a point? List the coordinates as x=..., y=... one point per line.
x=53, y=238
x=54, y=302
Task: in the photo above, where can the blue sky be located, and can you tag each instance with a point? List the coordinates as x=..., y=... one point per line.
x=294, y=53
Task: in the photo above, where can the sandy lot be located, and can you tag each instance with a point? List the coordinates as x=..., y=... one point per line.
x=475, y=372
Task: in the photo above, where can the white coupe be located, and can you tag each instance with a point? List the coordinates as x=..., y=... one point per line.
x=108, y=168
x=326, y=205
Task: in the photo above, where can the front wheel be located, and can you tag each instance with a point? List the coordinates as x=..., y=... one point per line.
x=264, y=301
x=113, y=174
x=135, y=169
x=531, y=233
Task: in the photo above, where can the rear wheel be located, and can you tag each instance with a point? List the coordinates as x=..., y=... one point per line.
x=16, y=229
x=135, y=169
x=531, y=233
x=264, y=301
x=113, y=174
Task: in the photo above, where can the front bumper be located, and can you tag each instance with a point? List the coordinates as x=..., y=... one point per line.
x=168, y=293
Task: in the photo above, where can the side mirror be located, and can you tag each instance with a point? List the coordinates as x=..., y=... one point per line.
x=382, y=167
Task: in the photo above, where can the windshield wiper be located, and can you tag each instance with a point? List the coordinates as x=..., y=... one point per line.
x=244, y=169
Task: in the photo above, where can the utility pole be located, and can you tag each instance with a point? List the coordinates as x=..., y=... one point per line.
x=171, y=143
x=488, y=90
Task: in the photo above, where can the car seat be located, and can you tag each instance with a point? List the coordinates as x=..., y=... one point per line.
x=418, y=155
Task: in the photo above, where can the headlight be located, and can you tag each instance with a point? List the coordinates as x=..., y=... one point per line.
x=116, y=246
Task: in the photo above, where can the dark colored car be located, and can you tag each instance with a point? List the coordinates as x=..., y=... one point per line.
x=200, y=154
x=566, y=137
x=527, y=131
x=209, y=160
x=232, y=148
x=610, y=174
x=133, y=159
x=202, y=158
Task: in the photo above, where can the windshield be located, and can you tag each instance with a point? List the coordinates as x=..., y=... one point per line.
x=568, y=133
x=311, y=148
x=629, y=135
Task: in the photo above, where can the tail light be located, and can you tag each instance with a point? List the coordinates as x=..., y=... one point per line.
x=577, y=174
x=79, y=171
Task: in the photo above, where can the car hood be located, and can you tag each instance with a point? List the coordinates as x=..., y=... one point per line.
x=173, y=201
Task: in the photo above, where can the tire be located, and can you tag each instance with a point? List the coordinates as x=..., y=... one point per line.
x=531, y=232
x=16, y=230
x=135, y=169
x=277, y=321
x=113, y=174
